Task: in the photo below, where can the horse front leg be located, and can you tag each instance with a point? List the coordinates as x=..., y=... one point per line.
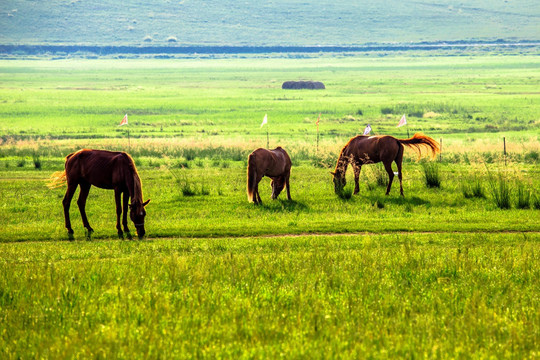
x=81, y=202
x=125, y=215
x=67, y=203
x=118, y=202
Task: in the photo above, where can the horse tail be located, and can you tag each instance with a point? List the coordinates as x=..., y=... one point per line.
x=420, y=140
x=251, y=176
x=57, y=179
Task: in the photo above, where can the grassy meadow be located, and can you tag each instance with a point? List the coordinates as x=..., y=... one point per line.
x=448, y=270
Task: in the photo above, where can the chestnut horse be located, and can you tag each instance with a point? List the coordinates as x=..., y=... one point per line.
x=362, y=150
x=106, y=170
x=276, y=164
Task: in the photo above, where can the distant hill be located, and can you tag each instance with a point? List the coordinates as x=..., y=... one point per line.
x=264, y=22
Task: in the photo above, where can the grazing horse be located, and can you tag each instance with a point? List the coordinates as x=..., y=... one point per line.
x=276, y=164
x=106, y=170
x=362, y=150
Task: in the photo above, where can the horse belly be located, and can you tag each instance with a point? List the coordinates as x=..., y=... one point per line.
x=276, y=171
x=100, y=180
x=375, y=158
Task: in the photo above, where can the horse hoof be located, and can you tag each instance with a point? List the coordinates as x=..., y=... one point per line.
x=88, y=234
x=121, y=235
x=71, y=237
x=128, y=235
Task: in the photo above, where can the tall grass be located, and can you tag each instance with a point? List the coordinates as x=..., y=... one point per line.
x=432, y=177
x=473, y=189
x=500, y=191
x=535, y=200
x=345, y=193
x=523, y=196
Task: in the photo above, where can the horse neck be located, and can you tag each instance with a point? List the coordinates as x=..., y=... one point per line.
x=342, y=164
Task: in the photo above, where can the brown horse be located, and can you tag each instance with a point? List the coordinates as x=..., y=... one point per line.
x=276, y=164
x=362, y=150
x=106, y=170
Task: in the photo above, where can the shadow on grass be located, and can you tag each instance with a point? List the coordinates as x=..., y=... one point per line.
x=284, y=206
x=397, y=200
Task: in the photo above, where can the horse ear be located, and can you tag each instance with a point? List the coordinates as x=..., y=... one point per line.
x=146, y=202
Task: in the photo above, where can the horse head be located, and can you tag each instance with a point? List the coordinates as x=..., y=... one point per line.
x=278, y=183
x=339, y=181
x=137, y=214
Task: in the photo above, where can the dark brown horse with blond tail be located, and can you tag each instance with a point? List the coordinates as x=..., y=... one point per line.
x=106, y=170
x=362, y=150
x=276, y=164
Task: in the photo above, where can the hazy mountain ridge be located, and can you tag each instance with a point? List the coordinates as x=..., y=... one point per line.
x=264, y=23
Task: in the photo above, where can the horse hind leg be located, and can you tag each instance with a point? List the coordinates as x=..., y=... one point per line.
x=81, y=202
x=388, y=168
x=256, y=195
x=398, y=161
x=66, y=202
x=255, y=190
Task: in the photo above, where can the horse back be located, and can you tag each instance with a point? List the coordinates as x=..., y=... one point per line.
x=101, y=168
x=373, y=149
x=271, y=163
x=281, y=163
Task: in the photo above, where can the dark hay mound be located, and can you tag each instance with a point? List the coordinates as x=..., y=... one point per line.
x=297, y=85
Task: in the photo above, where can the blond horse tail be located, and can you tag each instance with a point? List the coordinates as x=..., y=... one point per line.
x=57, y=179
x=251, y=177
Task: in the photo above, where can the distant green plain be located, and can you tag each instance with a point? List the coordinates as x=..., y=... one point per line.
x=438, y=273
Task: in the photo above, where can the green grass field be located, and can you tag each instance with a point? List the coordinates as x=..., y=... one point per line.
x=443, y=272
x=469, y=295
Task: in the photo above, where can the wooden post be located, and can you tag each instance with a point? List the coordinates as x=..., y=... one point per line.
x=317, y=140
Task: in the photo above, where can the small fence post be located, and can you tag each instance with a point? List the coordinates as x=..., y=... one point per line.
x=440, y=152
x=504, y=145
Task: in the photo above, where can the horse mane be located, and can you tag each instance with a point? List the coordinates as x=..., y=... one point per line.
x=137, y=183
x=420, y=140
x=343, y=160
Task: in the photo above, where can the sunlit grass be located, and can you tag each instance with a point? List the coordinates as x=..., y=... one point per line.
x=364, y=295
